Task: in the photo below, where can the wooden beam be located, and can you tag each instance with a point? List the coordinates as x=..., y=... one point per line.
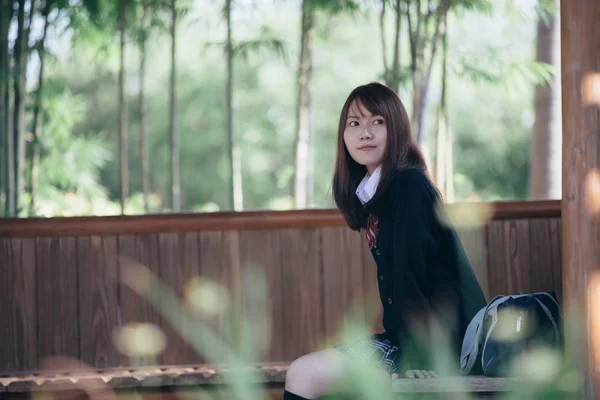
x=205, y=375
x=580, y=64
x=195, y=222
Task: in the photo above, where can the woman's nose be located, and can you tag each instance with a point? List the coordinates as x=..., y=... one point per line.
x=365, y=134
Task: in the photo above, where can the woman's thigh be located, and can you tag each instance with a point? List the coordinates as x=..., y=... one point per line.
x=313, y=374
x=317, y=373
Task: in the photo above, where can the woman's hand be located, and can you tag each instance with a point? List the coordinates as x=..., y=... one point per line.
x=417, y=374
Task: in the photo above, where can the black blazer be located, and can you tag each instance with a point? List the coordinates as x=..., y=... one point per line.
x=426, y=284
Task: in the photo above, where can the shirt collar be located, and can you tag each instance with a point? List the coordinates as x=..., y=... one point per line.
x=368, y=186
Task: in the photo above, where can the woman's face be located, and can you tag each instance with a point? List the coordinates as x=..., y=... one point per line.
x=365, y=136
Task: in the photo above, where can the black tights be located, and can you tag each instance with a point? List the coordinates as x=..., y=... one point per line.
x=291, y=396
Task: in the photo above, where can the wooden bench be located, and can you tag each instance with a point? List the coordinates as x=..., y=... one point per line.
x=180, y=379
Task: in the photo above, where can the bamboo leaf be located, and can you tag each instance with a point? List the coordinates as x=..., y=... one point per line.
x=245, y=48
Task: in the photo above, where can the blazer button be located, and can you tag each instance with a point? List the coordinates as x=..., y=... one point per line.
x=380, y=277
x=390, y=301
x=377, y=252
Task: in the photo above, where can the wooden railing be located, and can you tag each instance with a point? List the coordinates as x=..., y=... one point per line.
x=57, y=296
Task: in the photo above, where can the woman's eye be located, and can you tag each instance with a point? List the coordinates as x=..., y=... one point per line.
x=379, y=121
x=353, y=123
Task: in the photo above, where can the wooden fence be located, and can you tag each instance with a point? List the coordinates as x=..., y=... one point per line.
x=58, y=295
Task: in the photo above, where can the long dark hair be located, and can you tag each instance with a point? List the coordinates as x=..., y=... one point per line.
x=401, y=152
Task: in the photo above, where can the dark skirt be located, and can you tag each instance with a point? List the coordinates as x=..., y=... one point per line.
x=377, y=348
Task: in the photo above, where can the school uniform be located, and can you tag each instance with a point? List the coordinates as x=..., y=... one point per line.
x=426, y=284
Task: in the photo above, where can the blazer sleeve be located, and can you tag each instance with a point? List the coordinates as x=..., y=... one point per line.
x=415, y=237
x=426, y=295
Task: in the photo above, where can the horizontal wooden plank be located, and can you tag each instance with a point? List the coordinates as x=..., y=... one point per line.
x=457, y=384
x=190, y=222
x=143, y=377
x=188, y=375
x=526, y=209
x=171, y=378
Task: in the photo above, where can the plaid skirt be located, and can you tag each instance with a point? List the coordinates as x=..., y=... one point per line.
x=376, y=348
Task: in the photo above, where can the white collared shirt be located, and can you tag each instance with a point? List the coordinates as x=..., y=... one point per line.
x=368, y=186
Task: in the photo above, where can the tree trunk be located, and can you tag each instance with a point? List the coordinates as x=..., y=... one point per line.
x=449, y=166
x=235, y=156
x=20, y=98
x=545, y=170
x=142, y=106
x=420, y=91
x=416, y=56
x=422, y=66
x=122, y=128
x=36, y=124
x=396, y=71
x=10, y=150
x=382, y=31
x=392, y=73
x=449, y=137
x=442, y=131
x=173, y=132
x=5, y=152
x=448, y=161
x=303, y=179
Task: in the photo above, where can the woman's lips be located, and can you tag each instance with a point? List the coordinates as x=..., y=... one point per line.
x=366, y=148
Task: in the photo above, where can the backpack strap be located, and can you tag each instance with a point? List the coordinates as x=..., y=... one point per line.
x=473, y=336
x=549, y=315
x=471, y=340
x=552, y=298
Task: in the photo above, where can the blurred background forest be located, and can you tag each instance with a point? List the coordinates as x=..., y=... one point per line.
x=147, y=106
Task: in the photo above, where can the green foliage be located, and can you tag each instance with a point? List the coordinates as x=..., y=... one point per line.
x=490, y=95
x=480, y=6
x=546, y=9
x=70, y=165
x=537, y=372
x=266, y=42
x=157, y=19
x=337, y=6
x=244, y=49
x=494, y=178
x=511, y=74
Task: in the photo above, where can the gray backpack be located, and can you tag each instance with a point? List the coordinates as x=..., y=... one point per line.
x=506, y=327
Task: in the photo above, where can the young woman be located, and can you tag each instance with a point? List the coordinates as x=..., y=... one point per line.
x=426, y=285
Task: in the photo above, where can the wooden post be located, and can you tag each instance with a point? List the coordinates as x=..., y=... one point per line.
x=580, y=64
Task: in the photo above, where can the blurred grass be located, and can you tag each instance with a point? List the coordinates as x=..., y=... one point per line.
x=542, y=373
